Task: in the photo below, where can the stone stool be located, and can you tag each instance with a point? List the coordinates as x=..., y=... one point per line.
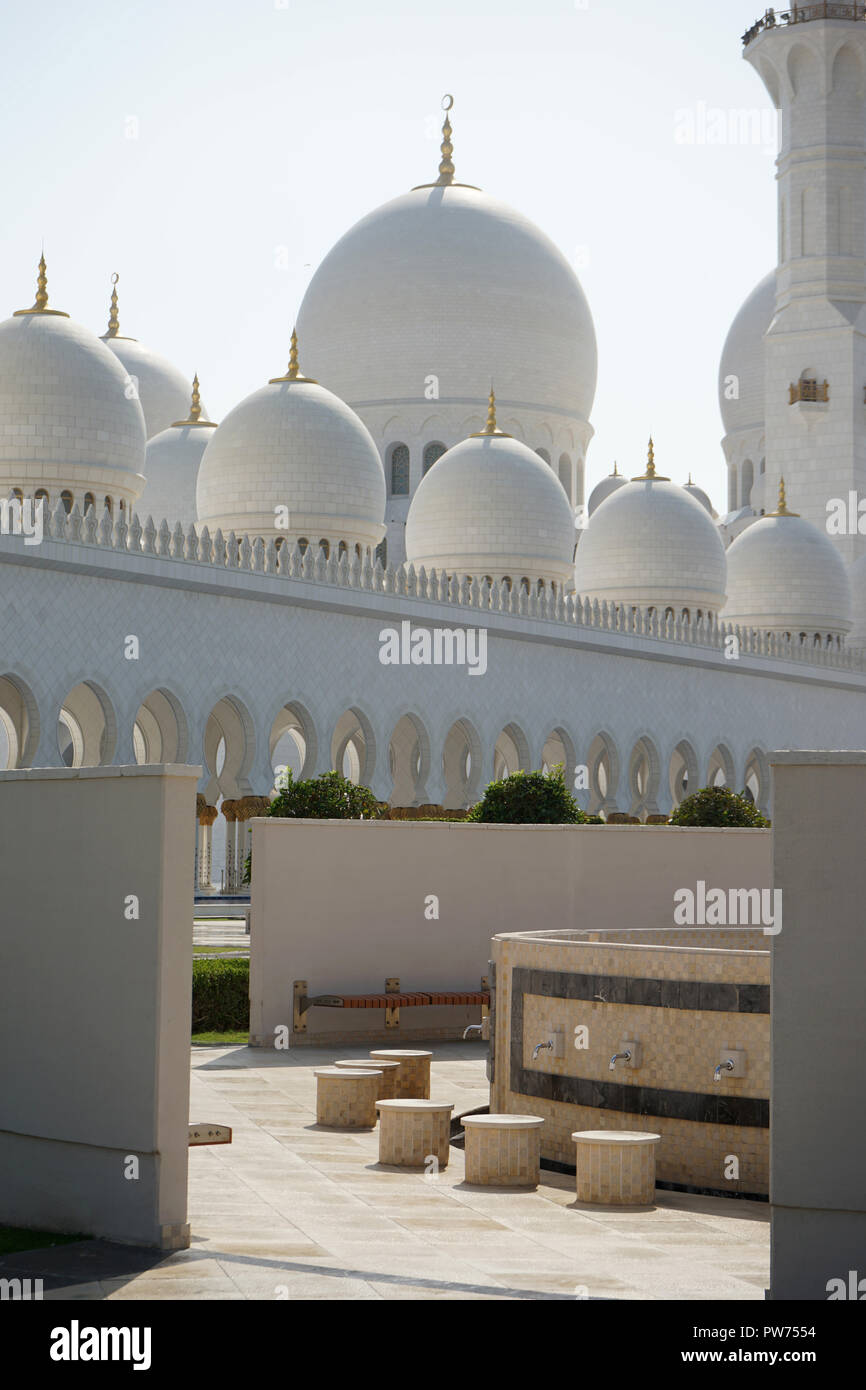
x=412, y=1131
x=503, y=1150
x=346, y=1099
x=616, y=1167
x=389, y=1072
x=413, y=1081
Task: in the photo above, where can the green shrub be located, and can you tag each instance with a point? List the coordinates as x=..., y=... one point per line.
x=327, y=797
x=718, y=806
x=220, y=996
x=528, y=798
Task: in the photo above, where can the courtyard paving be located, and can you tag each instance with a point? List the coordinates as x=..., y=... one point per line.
x=291, y=1211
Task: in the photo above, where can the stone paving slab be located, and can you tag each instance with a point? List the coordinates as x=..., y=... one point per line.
x=292, y=1210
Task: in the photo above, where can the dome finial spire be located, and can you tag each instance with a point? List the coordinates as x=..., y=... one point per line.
x=782, y=509
x=113, y=320
x=294, y=369
x=194, y=417
x=615, y=473
x=294, y=373
x=650, y=475
x=491, y=428
x=446, y=165
x=40, y=305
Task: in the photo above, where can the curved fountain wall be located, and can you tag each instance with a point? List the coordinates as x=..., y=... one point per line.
x=686, y=998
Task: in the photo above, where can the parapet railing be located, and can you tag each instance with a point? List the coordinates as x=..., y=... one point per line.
x=481, y=598
x=802, y=14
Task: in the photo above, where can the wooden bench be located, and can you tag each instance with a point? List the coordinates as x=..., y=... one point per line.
x=392, y=1000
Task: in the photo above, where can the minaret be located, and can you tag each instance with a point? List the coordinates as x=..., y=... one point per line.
x=815, y=353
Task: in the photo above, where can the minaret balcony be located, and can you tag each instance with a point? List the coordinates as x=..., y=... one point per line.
x=809, y=391
x=802, y=14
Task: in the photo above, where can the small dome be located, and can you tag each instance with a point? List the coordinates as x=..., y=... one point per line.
x=652, y=545
x=171, y=467
x=743, y=359
x=785, y=575
x=162, y=389
x=293, y=445
x=857, y=574
x=491, y=507
x=699, y=495
x=66, y=421
x=604, y=489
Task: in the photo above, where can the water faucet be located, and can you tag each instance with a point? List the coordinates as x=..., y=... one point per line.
x=473, y=1028
x=723, y=1066
x=542, y=1047
x=625, y=1056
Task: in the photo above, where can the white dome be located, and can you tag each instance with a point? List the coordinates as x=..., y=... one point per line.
x=700, y=496
x=610, y=484
x=743, y=358
x=857, y=575
x=785, y=575
x=490, y=506
x=652, y=545
x=66, y=421
x=162, y=389
x=448, y=282
x=171, y=467
x=292, y=444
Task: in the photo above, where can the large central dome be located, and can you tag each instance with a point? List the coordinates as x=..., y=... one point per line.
x=448, y=282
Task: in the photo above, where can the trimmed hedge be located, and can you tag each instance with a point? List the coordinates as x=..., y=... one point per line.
x=720, y=807
x=528, y=798
x=220, y=996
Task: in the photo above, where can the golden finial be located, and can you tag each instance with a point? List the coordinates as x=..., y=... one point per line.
x=294, y=373
x=113, y=320
x=615, y=473
x=491, y=427
x=194, y=417
x=690, y=483
x=113, y=330
x=650, y=475
x=41, y=303
x=446, y=164
x=782, y=509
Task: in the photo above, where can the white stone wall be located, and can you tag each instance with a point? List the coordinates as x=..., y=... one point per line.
x=258, y=641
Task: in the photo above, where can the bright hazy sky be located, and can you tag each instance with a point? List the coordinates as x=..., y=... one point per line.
x=262, y=124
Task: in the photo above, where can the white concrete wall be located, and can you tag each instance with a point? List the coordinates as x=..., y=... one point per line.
x=341, y=904
x=817, y=1124
x=95, y=1021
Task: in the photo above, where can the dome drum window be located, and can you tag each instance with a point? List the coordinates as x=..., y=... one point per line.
x=432, y=454
x=399, y=470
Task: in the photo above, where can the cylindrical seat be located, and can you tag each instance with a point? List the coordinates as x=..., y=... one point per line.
x=616, y=1167
x=503, y=1150
x=413, y=1081
x=388, y=1071
x=346, y=1099
x=412, y=1132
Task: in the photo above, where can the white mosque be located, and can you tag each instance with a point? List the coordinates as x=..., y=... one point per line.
x=218, y=593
